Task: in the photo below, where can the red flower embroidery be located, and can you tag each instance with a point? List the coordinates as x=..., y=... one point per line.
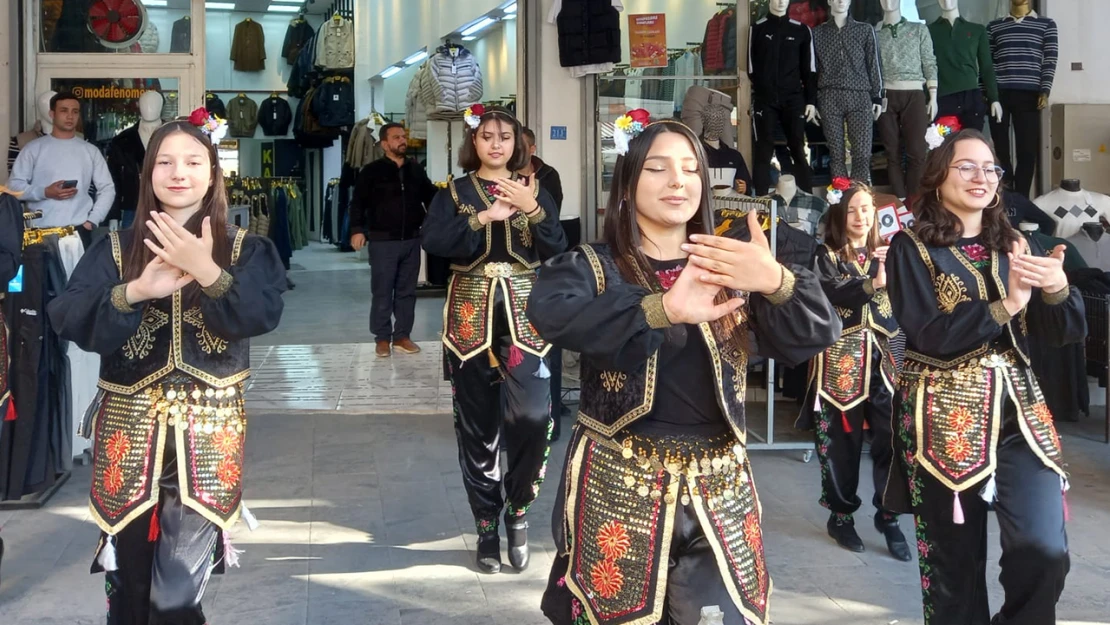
x=640, y=115
x=960, y=420
x=199, y=116
x=845, y=382
x=467, y=311
x=924, y=583
x=845, y=363
x=226, y=441
x=465, y=331
x=976, y=253
x=228, y=473
x=613, y=540
x=113, y=479
x=667, y=277
x=753, y=533
x=958, y=448
x=117, y=447
x=923, y=548
x=607, y=579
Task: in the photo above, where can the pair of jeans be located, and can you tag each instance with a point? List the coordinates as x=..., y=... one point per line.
x=394, y=270
x=969, y=106
x=903, y=125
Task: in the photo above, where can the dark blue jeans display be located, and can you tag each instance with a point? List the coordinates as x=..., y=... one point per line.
x=394, y=270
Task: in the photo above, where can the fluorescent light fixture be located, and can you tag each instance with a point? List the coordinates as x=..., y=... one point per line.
x=283, y=8
x=469, y=38
x=470, y=30
x=391, y=71
x=155, y=3
x=228, y=6
x=416, y=58
x=287, y=1
x=510, y=9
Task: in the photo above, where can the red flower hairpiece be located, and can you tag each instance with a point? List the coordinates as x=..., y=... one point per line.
x=951, y=121
x=841, y=184
x=198, y=117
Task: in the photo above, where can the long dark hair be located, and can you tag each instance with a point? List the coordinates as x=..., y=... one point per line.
x=936, y=226
x=622, y=232
x=468, y=153
x=836, y=236
x=214, y=206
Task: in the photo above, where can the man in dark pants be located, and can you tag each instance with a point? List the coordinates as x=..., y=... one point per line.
x=548, y=178
x=391, y=199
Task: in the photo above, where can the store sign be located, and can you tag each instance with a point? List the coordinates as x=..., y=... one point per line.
x=268, y=159
x=558, y=133
x=647, y=39
x=107, y=93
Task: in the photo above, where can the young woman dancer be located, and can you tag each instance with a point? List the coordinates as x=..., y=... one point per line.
x=658, y=515
x=852, y=381
x=170, y=305
x=497, y=227
x=971, y=425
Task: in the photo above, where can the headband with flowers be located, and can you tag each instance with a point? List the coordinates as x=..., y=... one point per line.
x=628, y=127
x=213, y=126
x=836, y=190
x=473, y=115
x=943, y=127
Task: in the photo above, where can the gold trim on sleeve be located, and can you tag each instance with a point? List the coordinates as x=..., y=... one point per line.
x=119, y=299
x=785, y=291
x=653, y=310
x=537, y=216
x=999, y=312
x=869, y=286
x=1059, y=297
x=220, y=287
x=475, y=223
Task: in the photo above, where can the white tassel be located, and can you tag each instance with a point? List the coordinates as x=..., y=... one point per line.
x=249, y=518
x=107, y=557
x=817, y=402
x=543, y=372
x=231, y=554
x=989, y=491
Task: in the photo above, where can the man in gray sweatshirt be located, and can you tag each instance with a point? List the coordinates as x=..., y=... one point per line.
x=54, y=173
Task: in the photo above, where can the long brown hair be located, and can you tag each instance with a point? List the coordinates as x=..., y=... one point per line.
x=937, y=226
x=622, y=232
x=468, y=153
x=836, y=237
x=214, y=205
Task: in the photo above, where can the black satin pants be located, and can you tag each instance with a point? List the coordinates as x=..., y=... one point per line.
x=953, y=558
x=163, y=582
x=840, y=436
x=508, y=400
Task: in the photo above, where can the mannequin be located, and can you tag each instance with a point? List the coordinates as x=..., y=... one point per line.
x=850, y=89
x=782, y=69
x=126, y=153
x=963, y=62
x=43, y=126
x=1071, y=206
x=906, y=50
x=786, y=189
x=795, y=204
x=719, y=154
x=1024, y=49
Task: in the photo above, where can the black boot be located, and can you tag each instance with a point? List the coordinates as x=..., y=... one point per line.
x=489, y=553
x=895, y=540
x=517, y=530
x=843, y=529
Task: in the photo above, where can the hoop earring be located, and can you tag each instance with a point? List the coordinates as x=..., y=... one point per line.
x=938, y=196
x=997, y=200
x=620, y=207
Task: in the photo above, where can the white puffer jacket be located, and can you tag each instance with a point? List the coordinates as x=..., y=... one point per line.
x=455, y=83
x=416, y=110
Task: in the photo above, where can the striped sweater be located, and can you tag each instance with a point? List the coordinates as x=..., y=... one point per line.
x=1024, y=52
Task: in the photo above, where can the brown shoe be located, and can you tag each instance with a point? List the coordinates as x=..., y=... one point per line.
x=383, y=349
x=407, y=346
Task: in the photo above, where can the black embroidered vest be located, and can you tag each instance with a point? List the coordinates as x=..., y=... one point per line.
x=173, y=338
x=877, y=314
x=611, y=400
x=470, y=199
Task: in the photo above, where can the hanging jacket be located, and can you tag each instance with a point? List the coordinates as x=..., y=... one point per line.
x=304, y=70
x=248, y=47
x=334, y=104
x=181, y=35
x=713, y=43
x=215, y=106
x=416, y=112
x=335, y=46
x=275, y=116
x=297, y=36
x=125, y=163
x=307, y=130
x=455, y=84
x=589, y=33
x=242, y=117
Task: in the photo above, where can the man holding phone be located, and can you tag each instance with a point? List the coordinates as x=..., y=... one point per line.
x=54, y=173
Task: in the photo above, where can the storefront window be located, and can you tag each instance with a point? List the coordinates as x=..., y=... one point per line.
x=115, y=26
x=110, y=106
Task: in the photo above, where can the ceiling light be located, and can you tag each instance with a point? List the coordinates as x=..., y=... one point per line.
x=416, y=58
x=470, y=30
x=469, y=38
x=510, y=9
x=391, y=71
x=228, y=6
x=283, y=8
x=155, y=3
x=288, y=1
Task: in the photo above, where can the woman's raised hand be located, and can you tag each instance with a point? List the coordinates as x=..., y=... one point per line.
x=691, y=298
x=735, y=264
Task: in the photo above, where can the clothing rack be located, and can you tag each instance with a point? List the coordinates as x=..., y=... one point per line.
x=34, y=236
x=1097, y=307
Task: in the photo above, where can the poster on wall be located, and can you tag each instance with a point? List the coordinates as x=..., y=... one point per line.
x=647, y=39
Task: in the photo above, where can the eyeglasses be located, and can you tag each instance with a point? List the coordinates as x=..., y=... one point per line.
x=993, y=173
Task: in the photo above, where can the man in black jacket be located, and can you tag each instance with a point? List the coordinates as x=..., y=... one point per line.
x=392, y=196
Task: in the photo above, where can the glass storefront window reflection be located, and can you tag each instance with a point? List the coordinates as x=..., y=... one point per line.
x=115, y=26
x=110, y=106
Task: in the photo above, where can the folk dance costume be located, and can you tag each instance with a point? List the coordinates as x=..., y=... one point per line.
x=971, y=428
x=168, y=424
x=11, y=248
x=851, y=384
x=657, y=515
x=488, y=340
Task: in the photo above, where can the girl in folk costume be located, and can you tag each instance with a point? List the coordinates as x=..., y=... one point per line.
x=496, y=227
x=11, y=252
x=170, y=305
x=657, y=516
x=971, y=426
x=852, y=381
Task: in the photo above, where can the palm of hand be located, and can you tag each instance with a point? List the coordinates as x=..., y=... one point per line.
x=160, y=280
x=691, y=297
x=500, y=210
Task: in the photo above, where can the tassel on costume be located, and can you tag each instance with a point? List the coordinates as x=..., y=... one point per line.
x=989, y=491
x=155, y=526
x=10, y=414
x=516, y=357
x=231, y=554
x=493, y=362
x=543, y=372
x=957, y=510
x=844, y=422
x=107, y=557
x=817, y=402
x=249, y=518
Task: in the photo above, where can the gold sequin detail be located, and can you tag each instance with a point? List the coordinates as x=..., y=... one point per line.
x=654, y=312
x=220, y=287
x=785, y=291
x=119, y=299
